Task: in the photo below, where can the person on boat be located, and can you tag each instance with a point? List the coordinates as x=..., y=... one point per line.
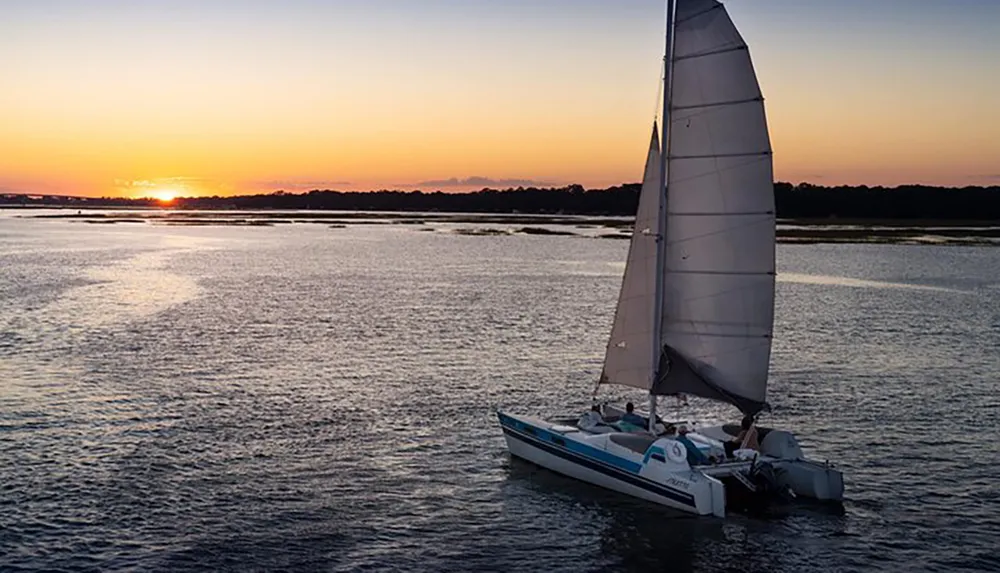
x=591, y=419
x=746, y=439
x=633, y=419
x=695, y=457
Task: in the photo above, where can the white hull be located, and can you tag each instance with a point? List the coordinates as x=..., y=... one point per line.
x=654, y=475
x=574, y=470
x=667, y=483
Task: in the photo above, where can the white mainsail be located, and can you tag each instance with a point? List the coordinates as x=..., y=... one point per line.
x=627, y=358
x=718, y=311
x=696, y=306
x=719, y=267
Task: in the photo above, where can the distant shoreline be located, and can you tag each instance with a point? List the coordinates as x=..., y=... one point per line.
x=789, y=230
x=802, y=201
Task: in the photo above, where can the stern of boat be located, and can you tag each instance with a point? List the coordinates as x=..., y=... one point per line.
x=805, y=477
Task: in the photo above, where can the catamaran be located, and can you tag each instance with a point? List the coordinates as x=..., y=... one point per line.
x=695, y=311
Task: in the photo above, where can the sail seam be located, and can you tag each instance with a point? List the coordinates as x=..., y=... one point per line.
x=715, y=334
x=719, y=213
x=714, y=295
x=717, y=155
x=717, y=170
x=730, y=229
x=727, y=273
x=717, y=104
x=710, y=53
x=730, y=324
x=680, y=21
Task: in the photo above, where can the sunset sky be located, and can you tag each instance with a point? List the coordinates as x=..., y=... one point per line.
x=135, y=98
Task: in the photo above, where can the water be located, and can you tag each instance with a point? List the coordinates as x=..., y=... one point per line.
x=305, y=398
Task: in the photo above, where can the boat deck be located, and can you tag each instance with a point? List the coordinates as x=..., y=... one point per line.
x=638, y=443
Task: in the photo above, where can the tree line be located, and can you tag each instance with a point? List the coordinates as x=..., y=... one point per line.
x=792, y=201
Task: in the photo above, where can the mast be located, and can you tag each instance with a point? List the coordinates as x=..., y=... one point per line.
x=661, y=219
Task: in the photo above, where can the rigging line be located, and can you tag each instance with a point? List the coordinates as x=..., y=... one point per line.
x=692, y=112
x=719, y=294
x=719, y=170
x=722, y=155
x=723, y=49
x=768, y=220
x=698, y=14
x=701, y=336
x=732, y=102
x=719, y=213
x=701, y=341
x=745, y=325
x=659, y=95
x=737, y=350
x=719, y=273
x=707, y=334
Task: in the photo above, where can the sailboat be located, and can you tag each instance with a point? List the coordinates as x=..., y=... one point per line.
x=695, y=311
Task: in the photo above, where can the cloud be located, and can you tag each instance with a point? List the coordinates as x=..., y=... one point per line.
x=162, y=182
x=298, y=185
x=478, y=181
x=134, y=183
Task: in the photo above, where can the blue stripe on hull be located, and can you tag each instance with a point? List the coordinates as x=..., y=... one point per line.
x=575, y=447
x=510, y=427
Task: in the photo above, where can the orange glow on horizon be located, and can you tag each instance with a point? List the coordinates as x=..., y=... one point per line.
x=303, y=95
x=165, y=196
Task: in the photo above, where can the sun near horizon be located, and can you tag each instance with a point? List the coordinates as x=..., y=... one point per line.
x=165, y=196
x=108, y=98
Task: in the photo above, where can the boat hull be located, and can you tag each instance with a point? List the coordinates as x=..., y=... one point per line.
x=531, y=440
x=648, y=472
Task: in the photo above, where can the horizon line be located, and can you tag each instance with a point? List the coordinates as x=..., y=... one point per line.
x=7, y=194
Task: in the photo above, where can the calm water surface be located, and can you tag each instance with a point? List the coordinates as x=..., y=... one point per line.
x=305, y=398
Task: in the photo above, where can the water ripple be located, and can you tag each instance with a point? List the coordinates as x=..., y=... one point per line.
x=296, y=399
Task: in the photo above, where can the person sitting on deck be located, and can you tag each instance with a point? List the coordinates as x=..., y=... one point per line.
x=632, y=419
x=695, y=457
x=746, y=439
x=592, y=419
